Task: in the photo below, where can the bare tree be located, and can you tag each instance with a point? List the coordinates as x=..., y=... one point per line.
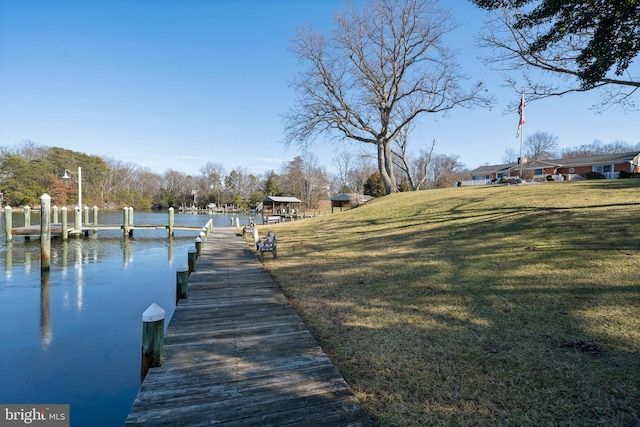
x=363, y=168
x=598, y=148
x=541, y=146
x=343, y=162
x=446, y=170
x=510, y=156
x=382, y=67
x=421, y=166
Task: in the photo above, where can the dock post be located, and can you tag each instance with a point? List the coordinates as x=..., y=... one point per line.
x=65, y=226
x=8, y=223
x=130, y=221
x=45, y=232
x=86, y=215
x=54, y=220
x=125, y=222
x=203, y=236
x=77, y=220
x=198, y=246
x=182, y=282
x=191, y=257
x=152, y=338
x=95, y=215
x=27, y=216
x=171, y=221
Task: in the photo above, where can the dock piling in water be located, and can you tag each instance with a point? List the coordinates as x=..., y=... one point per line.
x=171, y=221
x=8, y=223
x=152, y=338
x=191, y=259
x=182, y=283
x=65, y=226
x=45, y=232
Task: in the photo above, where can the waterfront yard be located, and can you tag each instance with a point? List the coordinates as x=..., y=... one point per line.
x=478, y=306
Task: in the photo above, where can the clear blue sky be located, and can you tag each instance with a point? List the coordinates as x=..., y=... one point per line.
x=173, y=84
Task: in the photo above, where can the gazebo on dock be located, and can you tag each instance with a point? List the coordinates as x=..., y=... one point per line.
x=280, y=206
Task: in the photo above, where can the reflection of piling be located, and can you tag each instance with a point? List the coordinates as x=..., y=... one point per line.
x=45, y=232
x=45, y=316
x=152, y=338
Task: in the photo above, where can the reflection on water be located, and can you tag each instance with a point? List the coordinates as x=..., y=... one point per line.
x=73, y=335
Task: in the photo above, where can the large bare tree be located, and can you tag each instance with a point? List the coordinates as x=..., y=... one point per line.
x=383, y=66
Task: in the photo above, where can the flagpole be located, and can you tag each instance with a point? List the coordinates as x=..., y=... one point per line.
x=519, y=132
x=521, y=154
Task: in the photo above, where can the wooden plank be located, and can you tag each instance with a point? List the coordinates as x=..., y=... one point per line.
x=237, y=354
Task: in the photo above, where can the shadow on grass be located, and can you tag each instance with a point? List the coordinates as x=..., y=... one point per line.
x=457, y=313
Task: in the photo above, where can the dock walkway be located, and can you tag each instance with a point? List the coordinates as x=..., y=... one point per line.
x=237, y=354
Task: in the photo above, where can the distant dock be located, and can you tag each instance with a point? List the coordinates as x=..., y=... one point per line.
x=237, y=354
x=64, y=229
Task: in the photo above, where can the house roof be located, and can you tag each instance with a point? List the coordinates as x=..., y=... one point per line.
x=614, y=158
x=347, y=197
x=281, y=199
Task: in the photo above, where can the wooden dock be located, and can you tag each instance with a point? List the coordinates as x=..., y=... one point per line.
x=237, y=354
x=56, y=229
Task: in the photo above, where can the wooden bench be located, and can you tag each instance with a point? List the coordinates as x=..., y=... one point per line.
x=269, y=244
x=273, y=219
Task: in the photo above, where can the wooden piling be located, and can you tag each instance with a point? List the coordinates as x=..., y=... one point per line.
x=198, y=246
x=77, y=220
x=86, y=216
x=55, y=214
x=152, y=338
x=45, y=232
x=191, y=257
x=182, y=282
x=125, y=222
x=64, y=224
x=27, y=216
x=95, y=215
x=171, y=221
x=130, y=221
x=8, y=223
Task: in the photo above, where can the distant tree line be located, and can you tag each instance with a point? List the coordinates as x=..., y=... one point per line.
x=29, y=170
x=544, y=146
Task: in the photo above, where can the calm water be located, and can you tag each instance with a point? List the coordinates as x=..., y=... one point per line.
x=74, y=337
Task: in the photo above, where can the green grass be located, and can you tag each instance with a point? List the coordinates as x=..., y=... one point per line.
x=471, y=306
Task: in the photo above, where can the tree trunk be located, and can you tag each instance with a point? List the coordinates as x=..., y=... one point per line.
x=385, y=166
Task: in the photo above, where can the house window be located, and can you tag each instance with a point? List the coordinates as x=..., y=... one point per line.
x=538, y=171
x=480, y=177
x=502, y=175
x=603, y=168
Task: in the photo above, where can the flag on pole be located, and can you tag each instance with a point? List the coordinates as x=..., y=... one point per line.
x=523, y=103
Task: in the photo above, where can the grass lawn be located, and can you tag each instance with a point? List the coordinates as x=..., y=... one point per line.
x=482, y=306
